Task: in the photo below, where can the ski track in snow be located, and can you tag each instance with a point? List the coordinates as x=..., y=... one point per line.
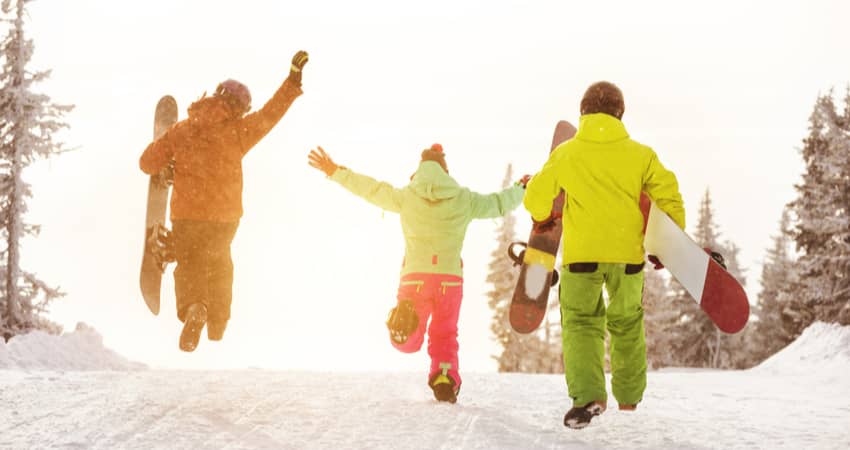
x=682, y=409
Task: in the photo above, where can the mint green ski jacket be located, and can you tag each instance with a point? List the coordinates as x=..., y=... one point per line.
x=435, y=212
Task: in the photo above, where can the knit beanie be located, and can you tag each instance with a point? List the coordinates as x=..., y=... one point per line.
x=435, y=153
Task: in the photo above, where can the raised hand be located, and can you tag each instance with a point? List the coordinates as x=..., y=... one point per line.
x=321, y=161
x=298, y=62
x=523, y=181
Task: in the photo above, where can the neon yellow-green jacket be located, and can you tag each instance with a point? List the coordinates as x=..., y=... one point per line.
x=603, y=172
x=435, y=212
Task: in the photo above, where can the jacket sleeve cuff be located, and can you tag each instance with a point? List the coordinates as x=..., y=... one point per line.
x=338, y=175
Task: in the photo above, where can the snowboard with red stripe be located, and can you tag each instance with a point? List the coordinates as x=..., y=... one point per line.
x=717, y=292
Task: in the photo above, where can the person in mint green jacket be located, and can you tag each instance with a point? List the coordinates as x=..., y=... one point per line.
x=603, y=172
x=435, y=212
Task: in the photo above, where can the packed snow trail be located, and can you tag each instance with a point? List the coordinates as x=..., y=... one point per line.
x=285, y=409
x=70, y=391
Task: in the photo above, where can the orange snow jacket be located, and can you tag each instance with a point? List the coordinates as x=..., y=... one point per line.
x=207, y=150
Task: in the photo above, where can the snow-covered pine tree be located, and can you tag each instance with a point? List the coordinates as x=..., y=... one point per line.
x=28, y=121
x=778, y=319
x=822, y=209
x=538, y=352
x=695, y=340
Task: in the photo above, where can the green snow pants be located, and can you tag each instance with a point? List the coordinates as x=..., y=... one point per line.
x=584, y=319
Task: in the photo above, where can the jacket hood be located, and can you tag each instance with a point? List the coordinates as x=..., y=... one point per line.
x=601, y=128
x=209, y=111
x=432, y=183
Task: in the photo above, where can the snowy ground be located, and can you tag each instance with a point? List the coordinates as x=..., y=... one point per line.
x=797, y=399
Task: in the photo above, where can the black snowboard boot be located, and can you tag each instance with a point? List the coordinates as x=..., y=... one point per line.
x=196, y=317
x=579, y=416
x=402, y=321
x=443, y=385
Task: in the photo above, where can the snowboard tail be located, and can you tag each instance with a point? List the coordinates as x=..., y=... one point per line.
x=718, y=293
x=154, y=257
x=537, y=272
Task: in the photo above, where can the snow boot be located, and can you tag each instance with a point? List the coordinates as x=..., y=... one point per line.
x=579, y=416
x=443, y=385
x=196, y=317
x=215, y=330
x=402, y=322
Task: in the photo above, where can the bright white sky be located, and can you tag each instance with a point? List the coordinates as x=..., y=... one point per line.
x=722, y=91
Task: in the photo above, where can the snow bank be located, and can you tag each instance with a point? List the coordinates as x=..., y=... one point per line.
x=822, y=349
x=81, y=350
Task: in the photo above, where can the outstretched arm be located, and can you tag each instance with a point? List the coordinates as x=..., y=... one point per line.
x=256, y=125
x=380, y=194
x=499, y=203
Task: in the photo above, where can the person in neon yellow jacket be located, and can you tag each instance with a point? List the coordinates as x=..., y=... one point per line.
x=435, y=212
x=603, y=172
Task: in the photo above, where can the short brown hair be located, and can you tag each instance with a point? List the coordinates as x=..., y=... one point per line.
x=603, y=97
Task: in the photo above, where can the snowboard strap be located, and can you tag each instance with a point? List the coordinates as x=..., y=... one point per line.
x=161, y=245
x=517, y=258
x=534, y=256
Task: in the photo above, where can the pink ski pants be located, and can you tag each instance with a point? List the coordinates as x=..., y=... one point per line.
x=435, y=296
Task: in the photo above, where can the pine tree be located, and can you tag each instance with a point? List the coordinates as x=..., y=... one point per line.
x=538, y=352
x=778, y=321
x=822, y=209
x=28, y=121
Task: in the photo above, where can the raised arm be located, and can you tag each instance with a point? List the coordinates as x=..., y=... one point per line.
x=380, y=194
x=256, y=125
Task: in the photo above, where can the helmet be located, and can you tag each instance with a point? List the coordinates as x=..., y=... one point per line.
x=236, y=94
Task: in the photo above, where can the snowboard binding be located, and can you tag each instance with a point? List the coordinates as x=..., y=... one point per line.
x=165, y=178
x=402, y=322
x=518, y=259
x=717, y=257
x=160, y=244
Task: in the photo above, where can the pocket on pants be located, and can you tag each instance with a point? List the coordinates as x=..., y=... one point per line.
x=583, y=267
x=632, y=269
x=449, y=284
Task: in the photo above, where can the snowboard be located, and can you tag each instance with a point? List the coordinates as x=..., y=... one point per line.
x=155, y=258
x=537, y=261
x=717, y=292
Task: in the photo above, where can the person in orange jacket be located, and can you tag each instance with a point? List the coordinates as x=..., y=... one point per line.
x=206, y=151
